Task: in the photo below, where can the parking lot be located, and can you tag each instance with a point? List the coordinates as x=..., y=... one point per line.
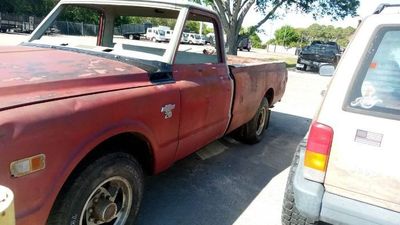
x=228, y=182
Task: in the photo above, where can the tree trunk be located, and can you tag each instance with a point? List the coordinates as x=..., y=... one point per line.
x=232, y=41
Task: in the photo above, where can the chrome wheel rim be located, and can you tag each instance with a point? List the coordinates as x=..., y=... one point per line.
x=110, y=203
x=261, y=121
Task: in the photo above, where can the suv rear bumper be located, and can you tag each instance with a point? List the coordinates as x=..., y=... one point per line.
x=340, y=210
x=315, y=203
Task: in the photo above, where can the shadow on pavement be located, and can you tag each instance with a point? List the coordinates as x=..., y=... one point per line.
x=217, y=190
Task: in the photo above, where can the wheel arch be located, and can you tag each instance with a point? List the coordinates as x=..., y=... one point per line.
x=132, y=143
x=269, y=95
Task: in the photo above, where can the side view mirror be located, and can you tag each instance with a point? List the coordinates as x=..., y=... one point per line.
x=326, y=70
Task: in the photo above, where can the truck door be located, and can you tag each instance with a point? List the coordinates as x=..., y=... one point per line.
x=206, y=90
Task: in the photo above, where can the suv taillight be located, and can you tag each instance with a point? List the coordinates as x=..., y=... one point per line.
x=317, y=152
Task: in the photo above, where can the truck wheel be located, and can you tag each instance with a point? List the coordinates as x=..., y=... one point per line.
x=252, y=132
x=108, y=191
x=130, y=37
x=290, y=214
x=154, y=39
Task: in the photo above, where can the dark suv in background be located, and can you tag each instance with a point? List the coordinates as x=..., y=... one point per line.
x=245, y=43
x=318, y=53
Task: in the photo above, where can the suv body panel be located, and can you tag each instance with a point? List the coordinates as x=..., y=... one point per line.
x=361, y=171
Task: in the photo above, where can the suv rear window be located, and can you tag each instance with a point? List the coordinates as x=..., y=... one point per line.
x=377, y=87
x=321, y=49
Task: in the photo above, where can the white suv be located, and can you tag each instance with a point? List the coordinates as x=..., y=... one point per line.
x=347, y=170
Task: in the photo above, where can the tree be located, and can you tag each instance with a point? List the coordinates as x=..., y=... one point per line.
x=287, y=36
x=233, y=12
x=27, y=7
x=328, y=33
x=254, y=38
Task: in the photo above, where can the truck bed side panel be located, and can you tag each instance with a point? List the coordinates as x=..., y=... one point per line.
x=251, y=85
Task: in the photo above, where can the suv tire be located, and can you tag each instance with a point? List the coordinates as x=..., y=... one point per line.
x=290, y=214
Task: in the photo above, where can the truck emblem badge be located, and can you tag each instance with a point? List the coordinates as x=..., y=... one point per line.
x=167, y=110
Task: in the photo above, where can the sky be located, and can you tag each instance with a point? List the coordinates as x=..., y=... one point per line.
x=302, y=20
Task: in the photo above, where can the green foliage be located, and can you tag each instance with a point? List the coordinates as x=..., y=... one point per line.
x=336, y=9
x=254, y=38
x=287, y=36
x=232, y=13
x=192, y=27
x=300, y=37
x=155, y=22
x=328, y=33
x=80, y=15
x=256, y=41
x=38, y=8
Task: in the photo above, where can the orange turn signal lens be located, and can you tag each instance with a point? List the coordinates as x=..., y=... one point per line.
x=27, y=166
x=316, y=161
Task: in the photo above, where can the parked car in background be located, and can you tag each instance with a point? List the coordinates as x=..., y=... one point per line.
x=195, y=39
x=318, y=53
x=204, y=39
x=245, y=43
x=185, y=38
x=346, y=171
x=156, y=34
x=168, y=35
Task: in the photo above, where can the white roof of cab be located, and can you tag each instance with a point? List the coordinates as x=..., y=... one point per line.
x=167, y=4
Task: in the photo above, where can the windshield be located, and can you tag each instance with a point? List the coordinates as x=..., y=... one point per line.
x=131, y=33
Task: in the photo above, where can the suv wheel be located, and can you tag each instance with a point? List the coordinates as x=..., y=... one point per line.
x=290, y=214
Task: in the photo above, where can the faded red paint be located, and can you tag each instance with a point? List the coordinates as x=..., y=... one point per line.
x=251, y=85
x=63, y=104
x=31, y=74
x=206, y=92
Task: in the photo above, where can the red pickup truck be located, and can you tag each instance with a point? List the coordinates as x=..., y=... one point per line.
x=85, y=113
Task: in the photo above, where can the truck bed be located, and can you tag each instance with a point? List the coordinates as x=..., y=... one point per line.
x=252, y=77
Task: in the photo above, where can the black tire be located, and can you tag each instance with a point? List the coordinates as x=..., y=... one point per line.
x=248, y=49
x=253, y=131
x=109, y=184
x=131, y=37
x=290, y=214
x=302, y=69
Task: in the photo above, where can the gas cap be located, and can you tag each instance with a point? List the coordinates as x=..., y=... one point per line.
x=7, y=215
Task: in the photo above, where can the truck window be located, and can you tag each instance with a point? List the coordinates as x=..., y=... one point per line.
x=143, y=36
x=75, y=25
x=133, y=32
x=377, y=87
x=194, y=49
